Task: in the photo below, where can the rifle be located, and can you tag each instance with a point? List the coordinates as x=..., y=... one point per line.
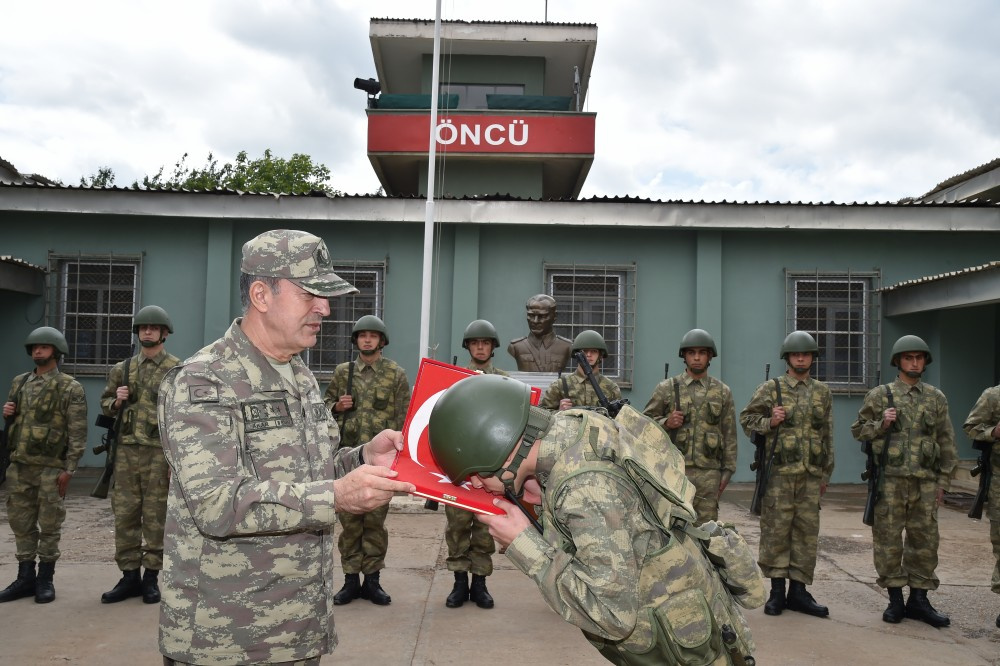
x=349, y=390
x=8, y=423
x=984, y=471
x=763, y=460
x=109, y=442
x=874, y=472
x=611, y=406
x=666, y=371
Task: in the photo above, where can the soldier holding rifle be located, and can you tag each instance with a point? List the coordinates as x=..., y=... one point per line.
x=983, y=426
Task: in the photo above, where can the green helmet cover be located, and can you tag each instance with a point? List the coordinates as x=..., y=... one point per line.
x=799, y=341
x=480, y=328
x=370, y=323
x=152, y=315
x=46, y=335
x=697, y=337
x=590, y=339
x=910, y=343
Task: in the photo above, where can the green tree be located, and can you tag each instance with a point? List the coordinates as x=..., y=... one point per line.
x=268, y=173
x=105, y=177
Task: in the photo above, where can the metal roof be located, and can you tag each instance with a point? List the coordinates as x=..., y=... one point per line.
x=993, y=265
x=969, y=287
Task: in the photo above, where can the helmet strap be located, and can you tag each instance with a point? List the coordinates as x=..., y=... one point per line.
x=538, y=424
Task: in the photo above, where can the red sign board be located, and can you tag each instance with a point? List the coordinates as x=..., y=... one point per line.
x=408, y=133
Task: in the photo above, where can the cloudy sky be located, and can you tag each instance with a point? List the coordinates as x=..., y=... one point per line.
x=745, y=100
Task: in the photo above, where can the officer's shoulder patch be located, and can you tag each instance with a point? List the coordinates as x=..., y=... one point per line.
x=520, y=339
x=203, y=393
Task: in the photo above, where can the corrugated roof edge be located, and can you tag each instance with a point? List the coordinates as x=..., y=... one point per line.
x=942, y=276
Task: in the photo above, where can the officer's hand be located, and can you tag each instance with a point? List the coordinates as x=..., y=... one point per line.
x=381, y=451
x=565, y=403
x=675, y=420
x=9, y=408
x=996, y=431
x=777, y=416
x=344, y=403
x=506, y=527
x=888, y=418
x=63, y=482
x=121, y=395
x=366, y=488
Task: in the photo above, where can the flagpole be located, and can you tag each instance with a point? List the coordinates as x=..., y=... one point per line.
x=425, y=292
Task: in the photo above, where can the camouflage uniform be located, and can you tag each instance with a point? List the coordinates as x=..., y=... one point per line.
x=139, y=495
x=708, y=436
x=581, y=393
x=381, y=397
x=803, y=462
x=983, y=418
x=248, y=557
x=921, y=459
x=48, y=436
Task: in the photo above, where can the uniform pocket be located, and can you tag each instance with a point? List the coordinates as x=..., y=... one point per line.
x=709, y=453
x=687, y=629
x=712, y=412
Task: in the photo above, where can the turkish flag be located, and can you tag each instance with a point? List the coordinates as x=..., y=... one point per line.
x=415, y=463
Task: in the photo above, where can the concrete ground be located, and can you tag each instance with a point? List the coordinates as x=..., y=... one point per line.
x=417, y=628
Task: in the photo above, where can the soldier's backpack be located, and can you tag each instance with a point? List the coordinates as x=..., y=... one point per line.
x=691, y=587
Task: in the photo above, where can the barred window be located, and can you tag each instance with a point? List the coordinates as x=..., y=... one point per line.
x=334, y=345
x=841, y=310
x=91, y=299
x=601, y=298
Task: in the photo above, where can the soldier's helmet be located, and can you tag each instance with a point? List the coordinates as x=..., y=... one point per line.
x=910, y=343
x=697, y=337
x=477, y=423
x=480, y=328
x=152, y=315
x=799, y=341
x=589, y=339
x=370, y=323
x=46, y=335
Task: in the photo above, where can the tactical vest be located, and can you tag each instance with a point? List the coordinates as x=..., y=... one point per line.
x=690, y=586
x=40, y=432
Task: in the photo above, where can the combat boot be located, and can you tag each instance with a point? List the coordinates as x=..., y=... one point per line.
x=45, y=591
x=801, y=601
x=919, y=608
x=776, y=602
x=460, y=592
x=373, y=592
x=350, y=591
x=479, y=593
x=998, y=620
x=23, y=586
x=129, y=586
x=150, y=586
x=895, y=612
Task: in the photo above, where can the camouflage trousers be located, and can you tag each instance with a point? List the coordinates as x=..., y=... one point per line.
x=470, y=545
x=312, y=661
x=139, y=502
x=35, y=511
x=706, y=498
x=363, y=541
x=789, y=527
x=907, y=504
x=995, y=538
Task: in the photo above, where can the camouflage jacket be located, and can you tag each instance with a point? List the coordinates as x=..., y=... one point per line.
x=248, y=546
x=708, y=436
x=381, y=397
x=923, y=440
x=581, y=393
x=50, y=425
x=139, y=424
x=983, y=418
x=805, y=438
x=489, y=370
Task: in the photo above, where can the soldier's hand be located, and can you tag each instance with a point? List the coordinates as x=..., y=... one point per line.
x=9, y=408
x=777, y=416
x=675, y=420
x=996, y=431
x=939, y=496
x=344, y=403
x=888, y=418
x=506, y=527
x=121, y=395
x=366, y=488
x=381, y=451
x=565, y=403
x=63, y=482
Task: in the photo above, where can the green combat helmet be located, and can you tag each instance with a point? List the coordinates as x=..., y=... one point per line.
x=152, y=315
x=477, y=423
x=370, y=323
x=590, y=340
x=799, y=341
x=697, y=337
x=480, y=328
x=910, y=343
x=46, y=335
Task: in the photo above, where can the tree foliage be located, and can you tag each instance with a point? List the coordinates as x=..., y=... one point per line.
x=105, y=177
x=268, y=173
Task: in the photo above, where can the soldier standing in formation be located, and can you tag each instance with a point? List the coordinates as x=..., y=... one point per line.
x=911, y=418
x=983, y=425
x=541, y=350
x=46, y=439
x=470, y=546
x=575, y=390
x=801, y=410
x=367, y=395
x=697, y=412
x=141, y=474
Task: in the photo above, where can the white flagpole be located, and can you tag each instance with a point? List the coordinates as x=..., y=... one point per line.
x=425, y=292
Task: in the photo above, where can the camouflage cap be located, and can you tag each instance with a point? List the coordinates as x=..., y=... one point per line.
x=298, y=257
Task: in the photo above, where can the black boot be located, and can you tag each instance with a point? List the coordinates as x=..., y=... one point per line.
x=460, y=592
x=998, y=620
x=150, y=586
x=919, y=608
x=373, y=592
x=479, y=593
x=129, y=586
x=801, y=601
x=23, y=586
x=45, y=591
x=776, y=602
x=350, y=591
x=895, y=612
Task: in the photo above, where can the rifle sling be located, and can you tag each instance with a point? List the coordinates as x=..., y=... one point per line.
x=774, y=441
